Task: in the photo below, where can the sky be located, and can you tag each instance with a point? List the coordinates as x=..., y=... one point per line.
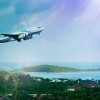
x=72, y=31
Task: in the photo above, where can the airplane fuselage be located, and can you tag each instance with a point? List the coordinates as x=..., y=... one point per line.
x=24, y=34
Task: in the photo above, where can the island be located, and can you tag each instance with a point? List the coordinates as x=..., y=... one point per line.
x=53, y=68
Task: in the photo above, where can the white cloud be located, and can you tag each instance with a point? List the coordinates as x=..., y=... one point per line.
x=7, y=11
x=9, y=8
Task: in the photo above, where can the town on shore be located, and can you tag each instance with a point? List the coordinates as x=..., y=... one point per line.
x=19, y=86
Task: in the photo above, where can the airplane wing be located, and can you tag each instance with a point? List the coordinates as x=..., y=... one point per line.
x=15, y=36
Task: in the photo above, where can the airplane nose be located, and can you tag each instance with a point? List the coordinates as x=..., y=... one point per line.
x=42, y=29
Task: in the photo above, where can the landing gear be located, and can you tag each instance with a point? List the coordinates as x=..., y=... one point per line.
x=19, y=40
x=38, y=33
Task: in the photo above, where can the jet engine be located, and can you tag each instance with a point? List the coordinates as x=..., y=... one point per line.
x=27, y=37
x=23, y=35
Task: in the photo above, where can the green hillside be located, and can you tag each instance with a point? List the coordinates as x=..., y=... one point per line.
x=49, y=68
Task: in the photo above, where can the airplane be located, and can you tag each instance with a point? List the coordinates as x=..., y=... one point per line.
x=25, y=34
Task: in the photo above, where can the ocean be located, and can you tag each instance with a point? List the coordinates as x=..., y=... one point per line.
x=70, y=75
x=73, y=75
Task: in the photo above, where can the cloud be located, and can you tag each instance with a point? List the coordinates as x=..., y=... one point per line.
x=7, y=7
x=32, y=6
x=6, y=11
x=5, y=3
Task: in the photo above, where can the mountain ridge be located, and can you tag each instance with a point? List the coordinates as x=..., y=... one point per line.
x=53, y=68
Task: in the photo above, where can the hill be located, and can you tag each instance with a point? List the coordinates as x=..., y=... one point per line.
x=49, y=68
